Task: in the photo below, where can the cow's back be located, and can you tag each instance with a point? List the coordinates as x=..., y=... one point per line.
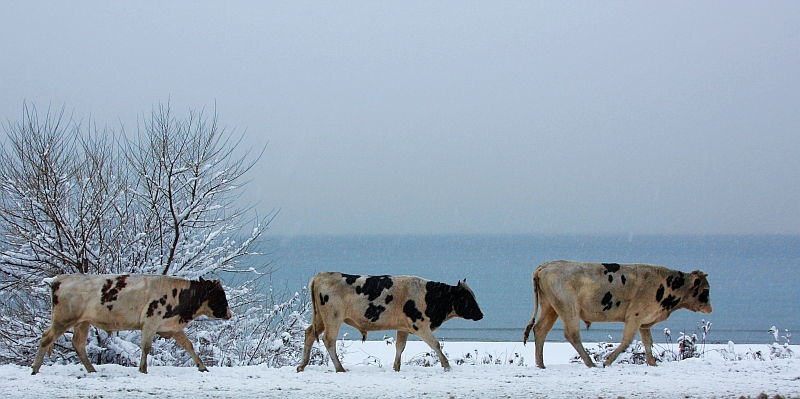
x=602, y=291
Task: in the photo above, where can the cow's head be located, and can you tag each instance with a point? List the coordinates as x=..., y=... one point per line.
x=464, y=302
x=699, y=288
x=217, y=302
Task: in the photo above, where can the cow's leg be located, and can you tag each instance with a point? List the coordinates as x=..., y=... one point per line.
x=49, y=336
x=627, y=337
x=548, y=317
x=329, y=339
x=647, y=341
x=148, y=334
x=313, y=331
x=399, y=345
x=427, y=336
x=311, y=336
x=572, y=332
x=184, y=341
x=79, y=335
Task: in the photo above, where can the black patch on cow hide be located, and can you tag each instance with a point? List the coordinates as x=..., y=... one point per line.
x=374, y=285
x=697, y=282
x=617, y=304
x=438, y=302
x=607, y=302
x=623, y=279
x=611, y=267
x=389, y=299
x=350, y=278
x=152, y=308
x=110, y=289
x=678, y=281
x=190, y=300
x=374, y=312
x=54, y=290
x=174, y=292
x=323, y=299
x=610, y=278
x=670, y=302
x=415, y=327
x=410, y=309
x=660, y=293
x=703, y=296
x=217, y=300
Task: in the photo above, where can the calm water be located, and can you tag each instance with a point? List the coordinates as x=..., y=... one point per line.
x=754, y=279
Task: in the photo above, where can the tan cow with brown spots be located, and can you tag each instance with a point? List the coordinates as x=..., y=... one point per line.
x=151, y=303
x=637, y=294
x=408, y=304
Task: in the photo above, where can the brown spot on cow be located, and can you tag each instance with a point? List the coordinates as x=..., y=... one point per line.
x=151, y=308
x=54, y=292
x=112, y=288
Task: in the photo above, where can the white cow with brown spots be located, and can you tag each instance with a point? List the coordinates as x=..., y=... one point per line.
x=410, y=305
x=637, y=294
x=151, y=303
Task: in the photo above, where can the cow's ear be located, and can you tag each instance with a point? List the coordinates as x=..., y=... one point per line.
x=700, y=274
x=201, y=280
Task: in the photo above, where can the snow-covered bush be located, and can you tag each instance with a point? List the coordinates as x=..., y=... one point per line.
x=778, y=350
x=634, y=354
x=475, y=358
x=163, y=202
x=689, y=346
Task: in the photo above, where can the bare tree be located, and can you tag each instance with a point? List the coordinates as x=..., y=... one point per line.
x=61, y=211
x=79, y=200
x=187, y=178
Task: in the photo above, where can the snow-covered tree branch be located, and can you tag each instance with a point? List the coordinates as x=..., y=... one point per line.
x=78, y=199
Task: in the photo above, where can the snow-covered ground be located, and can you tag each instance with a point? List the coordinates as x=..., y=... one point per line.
x=370, y=376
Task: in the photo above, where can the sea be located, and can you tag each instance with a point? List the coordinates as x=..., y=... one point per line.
x=755, y=279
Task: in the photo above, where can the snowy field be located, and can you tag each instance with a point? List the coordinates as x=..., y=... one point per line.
x=370, y=376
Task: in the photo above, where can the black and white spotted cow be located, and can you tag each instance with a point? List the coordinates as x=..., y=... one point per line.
x=410, y=305
x=637, y=294
x=151, y=303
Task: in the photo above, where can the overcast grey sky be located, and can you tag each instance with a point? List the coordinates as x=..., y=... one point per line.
x=453, y=117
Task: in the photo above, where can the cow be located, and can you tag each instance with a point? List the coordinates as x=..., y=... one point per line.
x=114, y=302
x=639, y=295
x=408, y=304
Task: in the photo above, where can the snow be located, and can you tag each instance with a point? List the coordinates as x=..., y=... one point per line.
x=371, y=376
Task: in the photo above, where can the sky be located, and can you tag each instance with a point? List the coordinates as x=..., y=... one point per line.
x=451, y=117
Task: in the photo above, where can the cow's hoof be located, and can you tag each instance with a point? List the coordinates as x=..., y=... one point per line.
x=203, y=370
x=300, y=369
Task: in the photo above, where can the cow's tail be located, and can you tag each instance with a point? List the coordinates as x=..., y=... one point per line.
x=536, y=290
x=315, y=316
x=49, y=283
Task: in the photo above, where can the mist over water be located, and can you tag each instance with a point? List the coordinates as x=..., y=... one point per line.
x=754, y=278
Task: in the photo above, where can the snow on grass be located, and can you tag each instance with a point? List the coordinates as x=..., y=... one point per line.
x=370, y=376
